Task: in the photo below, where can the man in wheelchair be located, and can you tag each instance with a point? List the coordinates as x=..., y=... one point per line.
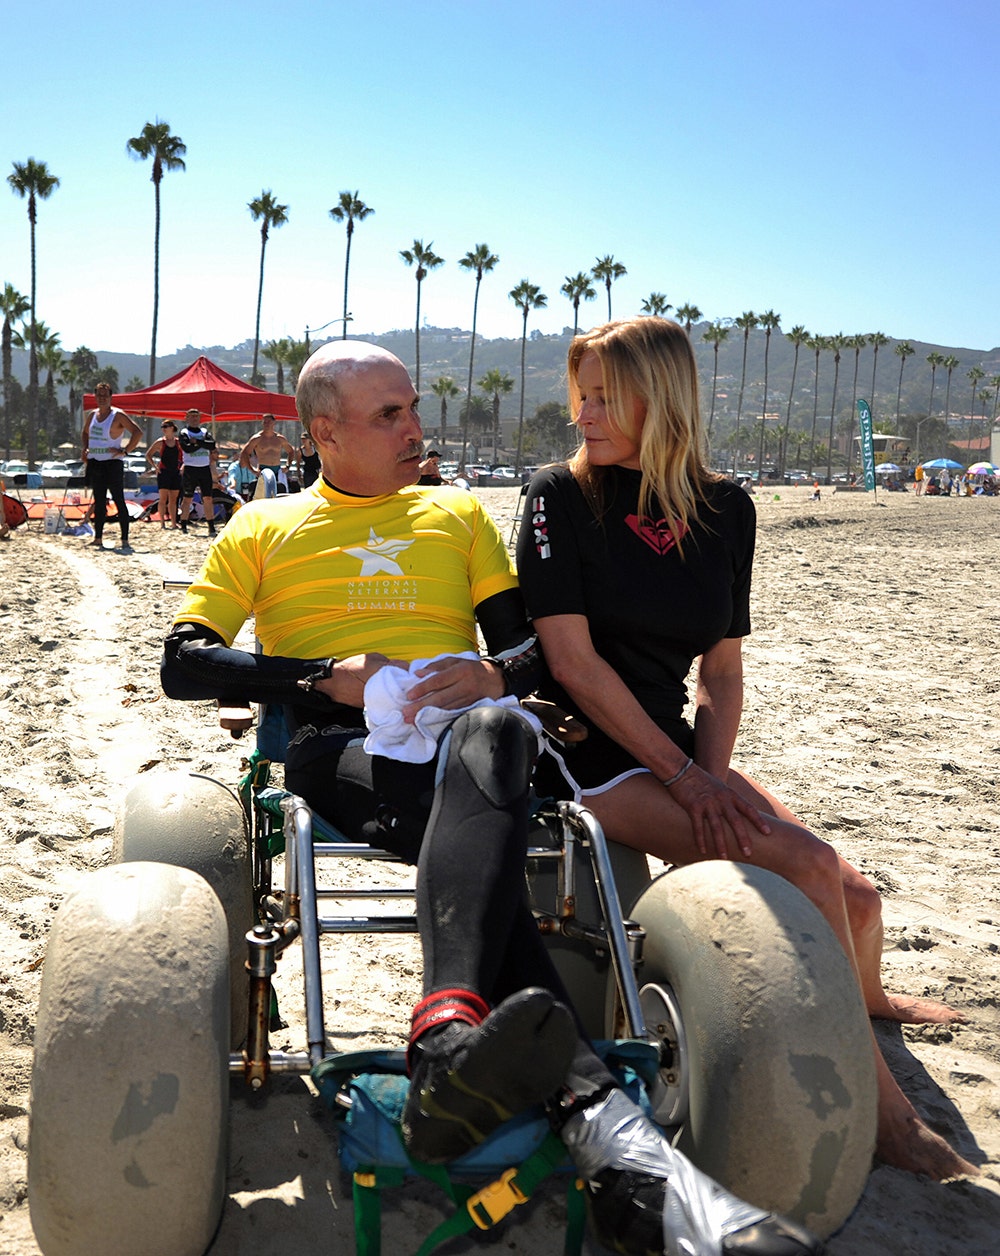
x=365, y=570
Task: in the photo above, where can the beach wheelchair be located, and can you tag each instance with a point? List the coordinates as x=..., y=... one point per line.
x=748, y=1035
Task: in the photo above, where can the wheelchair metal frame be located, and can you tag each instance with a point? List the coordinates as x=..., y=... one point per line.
x=292, y=913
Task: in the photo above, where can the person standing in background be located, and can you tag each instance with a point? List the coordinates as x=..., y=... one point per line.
x=166, y=453
x=109, y=435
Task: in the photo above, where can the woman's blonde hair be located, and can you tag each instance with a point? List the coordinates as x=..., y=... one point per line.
x=649, y=360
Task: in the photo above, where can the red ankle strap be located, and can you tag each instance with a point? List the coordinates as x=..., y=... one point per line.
x=447, y=1005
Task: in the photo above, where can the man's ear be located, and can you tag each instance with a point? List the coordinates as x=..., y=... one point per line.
x=322, y=431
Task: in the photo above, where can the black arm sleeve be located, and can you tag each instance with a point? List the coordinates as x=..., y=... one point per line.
x=197, y=664
x=511, y=642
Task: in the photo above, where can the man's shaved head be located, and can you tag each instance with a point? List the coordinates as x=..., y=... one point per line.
x=329, y=370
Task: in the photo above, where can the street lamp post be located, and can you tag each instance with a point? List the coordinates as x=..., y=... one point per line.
x=312, y=330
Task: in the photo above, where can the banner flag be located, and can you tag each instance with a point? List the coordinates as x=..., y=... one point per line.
x=867, y=447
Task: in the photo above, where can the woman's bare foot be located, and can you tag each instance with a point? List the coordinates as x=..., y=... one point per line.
x=909, y=1144
x=904, y=1141
x=910, y=1011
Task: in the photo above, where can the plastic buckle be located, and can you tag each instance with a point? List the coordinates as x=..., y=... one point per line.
x=496, y=1200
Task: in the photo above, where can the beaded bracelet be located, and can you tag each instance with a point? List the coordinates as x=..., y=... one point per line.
x=677, y=775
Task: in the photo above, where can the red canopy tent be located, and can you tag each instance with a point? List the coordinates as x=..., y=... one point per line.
x=205, y=387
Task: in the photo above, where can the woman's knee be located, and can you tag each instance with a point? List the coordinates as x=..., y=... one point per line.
x=811, y=864
x=864, y=903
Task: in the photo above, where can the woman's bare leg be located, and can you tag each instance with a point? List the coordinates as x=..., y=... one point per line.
x=864, y=914
x=641, y=813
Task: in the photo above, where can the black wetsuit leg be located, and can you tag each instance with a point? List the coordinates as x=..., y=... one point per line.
x=465, y=822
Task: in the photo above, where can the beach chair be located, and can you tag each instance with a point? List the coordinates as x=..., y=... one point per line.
x=75, y=484
x=31, y=494
x=706, y=969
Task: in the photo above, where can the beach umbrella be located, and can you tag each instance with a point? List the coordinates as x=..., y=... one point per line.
x=982, y=468
x=887, y=468
x=939, y=464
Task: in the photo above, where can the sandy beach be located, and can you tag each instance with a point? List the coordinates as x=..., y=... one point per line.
x=872, y=709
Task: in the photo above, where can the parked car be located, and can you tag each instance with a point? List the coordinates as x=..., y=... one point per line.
x=13, y=467
x=57, y=472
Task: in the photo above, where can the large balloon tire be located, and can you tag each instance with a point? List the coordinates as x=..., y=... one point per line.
x=781, y=1085
x=130, y=1085
x=195, y=822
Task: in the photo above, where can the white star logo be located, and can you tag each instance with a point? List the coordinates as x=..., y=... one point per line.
x=377, y=556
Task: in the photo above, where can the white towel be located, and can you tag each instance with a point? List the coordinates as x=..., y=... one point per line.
x=386, y=693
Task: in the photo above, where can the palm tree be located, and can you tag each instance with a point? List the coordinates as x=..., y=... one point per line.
x=903, y=350
x=984, y=399
x=798, y=336
x=277, y=352
x=857, y=343
x=350, y=209
x=770, y=322
x=656, y=304
x=71, y=377
x=817, y=344
x=495, y=384
x=167, y=152
x=607, y=270
x=995, y=384
x=47, y=346
x=715, y=335
x=578, y=288
x=527, y=297
x=482, y=261
x=975, y=375
x=14, y=306
x=445, y=388
x=295, y=358
x=426, y=259
x=876, y=339
x=50, y=359
x=935, y=360
x=950, y=363
x=32, y=179
x=836, y=344
x=687, y=314
x=746, y=322
x=265, y=210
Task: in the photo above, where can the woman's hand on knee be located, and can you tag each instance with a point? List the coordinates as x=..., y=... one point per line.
x=719, y=816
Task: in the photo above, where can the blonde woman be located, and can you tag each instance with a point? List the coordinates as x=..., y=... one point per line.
x=634, y=560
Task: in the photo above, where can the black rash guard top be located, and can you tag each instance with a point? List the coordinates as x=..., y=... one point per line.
x=651, y=611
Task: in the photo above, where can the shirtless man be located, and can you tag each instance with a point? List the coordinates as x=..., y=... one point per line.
x=264, y=450
x=102, y=449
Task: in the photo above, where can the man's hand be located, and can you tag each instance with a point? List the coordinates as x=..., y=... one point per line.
x=454, y=683
x=349, y=676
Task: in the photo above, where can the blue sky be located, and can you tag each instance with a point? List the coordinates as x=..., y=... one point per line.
x=832, y=162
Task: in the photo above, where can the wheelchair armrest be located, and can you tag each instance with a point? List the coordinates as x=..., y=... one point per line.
x=556, y=722
x=237, y=719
